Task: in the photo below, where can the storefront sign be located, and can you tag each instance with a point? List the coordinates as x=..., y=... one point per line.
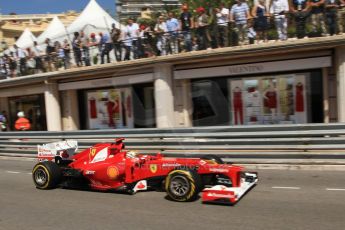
x=245, y=69
x=263, y=67
x=114, y=81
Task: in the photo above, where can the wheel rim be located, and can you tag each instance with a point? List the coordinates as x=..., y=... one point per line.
x=179, y=186
x=41, y=177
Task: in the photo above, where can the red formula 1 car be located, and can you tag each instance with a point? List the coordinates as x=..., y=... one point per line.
x=109, y=167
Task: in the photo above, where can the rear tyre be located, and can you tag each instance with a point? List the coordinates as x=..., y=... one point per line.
x=183, y=185
x=46, y=175
x=214, y=158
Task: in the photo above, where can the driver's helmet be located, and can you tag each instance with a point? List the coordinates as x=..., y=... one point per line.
x=131, y=154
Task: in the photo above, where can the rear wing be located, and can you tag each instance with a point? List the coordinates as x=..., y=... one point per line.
x=64, y=150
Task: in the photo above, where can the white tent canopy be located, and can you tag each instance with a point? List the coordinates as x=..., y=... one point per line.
x=93, y=19
x=56, y=31
x=26, y=39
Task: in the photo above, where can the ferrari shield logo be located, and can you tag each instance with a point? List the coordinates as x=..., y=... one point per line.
x=153, y=168
x=93, y=152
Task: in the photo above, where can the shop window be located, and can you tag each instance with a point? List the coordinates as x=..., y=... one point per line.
x=265, y=100
x=33, y=107
x=210, y=104
x=127, y=107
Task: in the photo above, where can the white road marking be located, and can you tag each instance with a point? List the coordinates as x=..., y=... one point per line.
x=335, y=189
x=277, y=187
x=13, y=172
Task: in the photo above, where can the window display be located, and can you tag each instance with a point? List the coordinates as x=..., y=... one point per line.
x=110, y=108
x=268, y=100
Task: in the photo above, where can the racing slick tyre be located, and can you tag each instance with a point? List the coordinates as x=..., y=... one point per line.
x=183, y=185
x=46, y=175
x=214, y=158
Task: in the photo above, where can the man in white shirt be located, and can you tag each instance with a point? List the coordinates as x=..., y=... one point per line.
x=278, y=9
x=222, y=15
x=161, y=33
x=20, y=55
x=38, y=52
x=131, y=39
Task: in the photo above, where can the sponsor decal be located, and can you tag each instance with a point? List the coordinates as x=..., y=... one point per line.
x=100, y=156
x=202, y=162
x=153, y=168
x=167, y=165
x=141, y=185
x=219, y=170
x=217, y=195
x=89, y=172
x=112, y=172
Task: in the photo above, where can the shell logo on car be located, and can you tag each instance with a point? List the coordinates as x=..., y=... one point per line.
x=112, y=172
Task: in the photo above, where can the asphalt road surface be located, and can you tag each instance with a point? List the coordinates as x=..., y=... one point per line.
x=282, y=200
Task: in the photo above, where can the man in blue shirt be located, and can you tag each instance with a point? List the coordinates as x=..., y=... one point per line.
x=240, y=14
x=172, y=26
x=106, y=46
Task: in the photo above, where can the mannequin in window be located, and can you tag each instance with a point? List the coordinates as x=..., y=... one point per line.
x=270, y=98
x=238, y=105
x=299, y=97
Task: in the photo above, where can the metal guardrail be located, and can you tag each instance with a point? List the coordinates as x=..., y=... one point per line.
x=272, y=144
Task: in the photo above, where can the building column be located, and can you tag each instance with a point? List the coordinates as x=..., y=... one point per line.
x=340, y=69
x=164, y=98
x=53, y=111
x=70, y=110
x=183, y=103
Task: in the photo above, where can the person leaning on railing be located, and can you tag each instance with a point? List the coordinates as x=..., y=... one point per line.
x=116, y=35
x=300, y=10
x=50, y=58
x=222, y=15
x=38, y=53
x=331, y=12
x=186, y=25
x=260, y=14
x=239, y=14
x=85, y=48
x=317, y=17
x=201, y=25
x=173, y=28
x=279, y=9
x=67, y=52
x=341, y=17
x=20, y=56
x=161, y=31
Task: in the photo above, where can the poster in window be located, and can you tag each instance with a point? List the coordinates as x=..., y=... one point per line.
x=236, y=99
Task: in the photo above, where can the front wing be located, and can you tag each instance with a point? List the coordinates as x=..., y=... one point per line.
x=220, y=194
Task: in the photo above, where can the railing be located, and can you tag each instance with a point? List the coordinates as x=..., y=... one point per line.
x=322, y=144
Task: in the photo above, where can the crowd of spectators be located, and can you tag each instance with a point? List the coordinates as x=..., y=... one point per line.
x=242, y=23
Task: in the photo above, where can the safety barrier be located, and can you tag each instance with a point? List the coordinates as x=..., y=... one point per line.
x=322, y=144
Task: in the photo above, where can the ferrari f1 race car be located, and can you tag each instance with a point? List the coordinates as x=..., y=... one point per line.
x=109, y=167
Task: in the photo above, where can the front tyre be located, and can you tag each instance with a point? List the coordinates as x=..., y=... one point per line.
x=183, y=185
x=46, y=175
